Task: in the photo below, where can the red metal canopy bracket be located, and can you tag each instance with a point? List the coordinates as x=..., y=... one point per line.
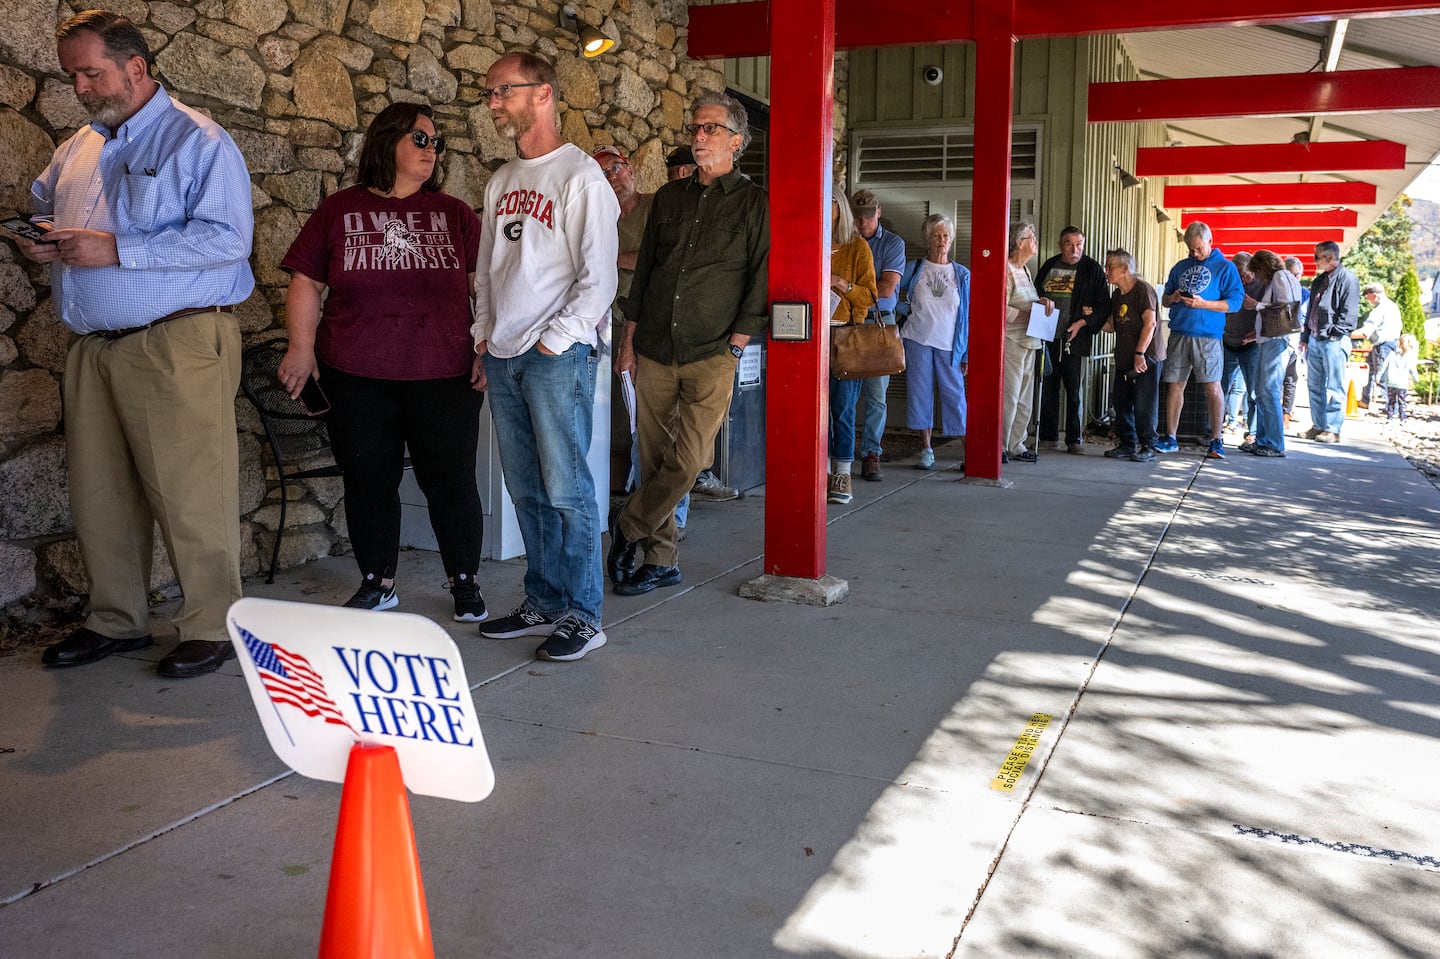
x=1351, y=193
x=1270, y=158
x=1284, y=219
x=1276, y=94
x=1259, y=238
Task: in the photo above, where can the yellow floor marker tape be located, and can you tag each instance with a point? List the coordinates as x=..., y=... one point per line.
x=1015, y=763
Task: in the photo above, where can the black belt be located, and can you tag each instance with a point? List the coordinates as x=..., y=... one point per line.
x=120, y=334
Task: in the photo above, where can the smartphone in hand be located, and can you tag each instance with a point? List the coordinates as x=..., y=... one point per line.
x=22, y=227
x=313, y=399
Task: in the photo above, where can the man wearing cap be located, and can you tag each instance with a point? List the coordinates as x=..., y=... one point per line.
x=1382, y=328
x=698, y=296
x=888, y=252
x=680, y=163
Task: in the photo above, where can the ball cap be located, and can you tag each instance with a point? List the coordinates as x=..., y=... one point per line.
x=863, y=202
x=610, y=151
x=681, y=157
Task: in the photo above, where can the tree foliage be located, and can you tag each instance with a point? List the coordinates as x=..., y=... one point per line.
x=1412, y=311
x=1382, y=254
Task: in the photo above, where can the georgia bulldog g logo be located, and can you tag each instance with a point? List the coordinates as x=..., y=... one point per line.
x=512, y=230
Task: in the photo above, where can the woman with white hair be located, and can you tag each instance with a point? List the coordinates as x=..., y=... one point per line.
x=1020, y=346
x=935, y=304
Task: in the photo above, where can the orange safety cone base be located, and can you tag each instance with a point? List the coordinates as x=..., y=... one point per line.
x=375, y=908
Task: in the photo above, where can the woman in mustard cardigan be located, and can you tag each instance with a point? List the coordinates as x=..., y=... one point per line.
x=853, y=296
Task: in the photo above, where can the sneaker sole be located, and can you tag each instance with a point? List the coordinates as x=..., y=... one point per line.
x=471, y=617
x=595, y=643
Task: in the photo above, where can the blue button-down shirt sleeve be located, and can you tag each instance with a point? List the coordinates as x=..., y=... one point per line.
x=172, y=187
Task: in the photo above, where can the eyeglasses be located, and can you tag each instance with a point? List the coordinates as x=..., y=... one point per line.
x=422, y=140
x=503, y=90
x=613, y=169
x=710, y=128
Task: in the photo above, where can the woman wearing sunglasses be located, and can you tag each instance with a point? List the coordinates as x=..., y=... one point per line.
x=390, y=347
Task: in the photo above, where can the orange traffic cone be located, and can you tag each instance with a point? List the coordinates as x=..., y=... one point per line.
x=1352, y=404
x=375, y=908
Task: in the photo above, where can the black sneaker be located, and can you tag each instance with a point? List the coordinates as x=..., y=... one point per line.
x=469, y=604
x=1120, y=453
x=571, y=640
x=374, y=597
x=523, y=621
x=1143, y=454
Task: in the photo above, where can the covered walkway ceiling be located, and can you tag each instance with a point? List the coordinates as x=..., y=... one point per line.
x=1368, y=44
x=1276, y=54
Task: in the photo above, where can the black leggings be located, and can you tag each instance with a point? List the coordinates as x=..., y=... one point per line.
x=372, y=422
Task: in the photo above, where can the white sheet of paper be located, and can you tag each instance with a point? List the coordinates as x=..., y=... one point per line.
x=1042, y=327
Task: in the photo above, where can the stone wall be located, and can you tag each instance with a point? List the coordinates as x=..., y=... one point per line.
x=296, y=84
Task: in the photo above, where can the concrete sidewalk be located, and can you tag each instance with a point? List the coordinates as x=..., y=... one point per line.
x=1239, y=660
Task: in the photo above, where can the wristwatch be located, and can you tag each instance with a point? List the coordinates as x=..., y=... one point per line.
x=737, y=351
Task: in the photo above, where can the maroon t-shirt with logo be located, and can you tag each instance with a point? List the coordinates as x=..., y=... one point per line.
x=398, y=306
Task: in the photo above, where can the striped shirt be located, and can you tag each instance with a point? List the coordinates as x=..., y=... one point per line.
x=172, y=187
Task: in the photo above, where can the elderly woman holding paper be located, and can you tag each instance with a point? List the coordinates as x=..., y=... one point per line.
x=1020, y=346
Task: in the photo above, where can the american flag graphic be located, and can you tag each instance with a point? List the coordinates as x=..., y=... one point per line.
x=290, y=680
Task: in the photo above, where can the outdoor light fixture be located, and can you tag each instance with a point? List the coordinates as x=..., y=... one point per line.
x=1160, y=215
x=592, y=41
x=1127, y=179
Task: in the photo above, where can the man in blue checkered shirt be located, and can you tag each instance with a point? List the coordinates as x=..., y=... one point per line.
x=149, y=219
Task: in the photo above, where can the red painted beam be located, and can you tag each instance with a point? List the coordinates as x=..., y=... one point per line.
x=796, y=397
x=743, y=29
x=1270, y=158
x=1262, y=237
x=1271, y=95
x=1229, y=220
x=1035, y=18
x=1350, y=193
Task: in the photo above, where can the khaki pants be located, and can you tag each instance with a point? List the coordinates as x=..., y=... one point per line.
x=679, y=409
x=150, y=436
x=1019, y=393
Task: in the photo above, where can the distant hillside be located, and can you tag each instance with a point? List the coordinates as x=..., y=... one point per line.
x=1425, y=236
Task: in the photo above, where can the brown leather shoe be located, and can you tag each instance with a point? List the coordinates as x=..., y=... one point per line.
x=87, y=646
x=194, y=657
x=870, y=468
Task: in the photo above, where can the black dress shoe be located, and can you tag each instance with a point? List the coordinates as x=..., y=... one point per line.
x=194, y=657
x=620, y=561
x=648, y=577
x=86, y=646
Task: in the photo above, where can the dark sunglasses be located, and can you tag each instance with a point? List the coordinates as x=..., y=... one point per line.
x=422, y=140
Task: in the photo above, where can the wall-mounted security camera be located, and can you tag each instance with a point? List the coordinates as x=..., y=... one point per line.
x=932, y=75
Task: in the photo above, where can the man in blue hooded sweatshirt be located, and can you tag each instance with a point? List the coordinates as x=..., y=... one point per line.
x=1201, y=289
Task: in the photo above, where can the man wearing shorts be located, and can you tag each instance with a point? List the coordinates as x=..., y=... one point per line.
x=1201, y=289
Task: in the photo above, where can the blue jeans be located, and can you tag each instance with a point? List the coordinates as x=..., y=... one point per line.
x=1137, y=406
x=544, y=407
x=1240, y=390
x=843, y=394
x=872, y=397
x=1377, y=359
x=1325, y=369
x=1270, y=384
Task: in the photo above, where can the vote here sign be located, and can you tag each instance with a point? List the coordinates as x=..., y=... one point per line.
x=326, y=677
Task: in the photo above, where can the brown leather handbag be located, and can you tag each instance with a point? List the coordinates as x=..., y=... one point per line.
x=859, y=351
x=1280, y=320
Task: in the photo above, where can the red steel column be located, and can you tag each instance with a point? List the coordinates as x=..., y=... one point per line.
x=802, y=93
x=989, y=228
